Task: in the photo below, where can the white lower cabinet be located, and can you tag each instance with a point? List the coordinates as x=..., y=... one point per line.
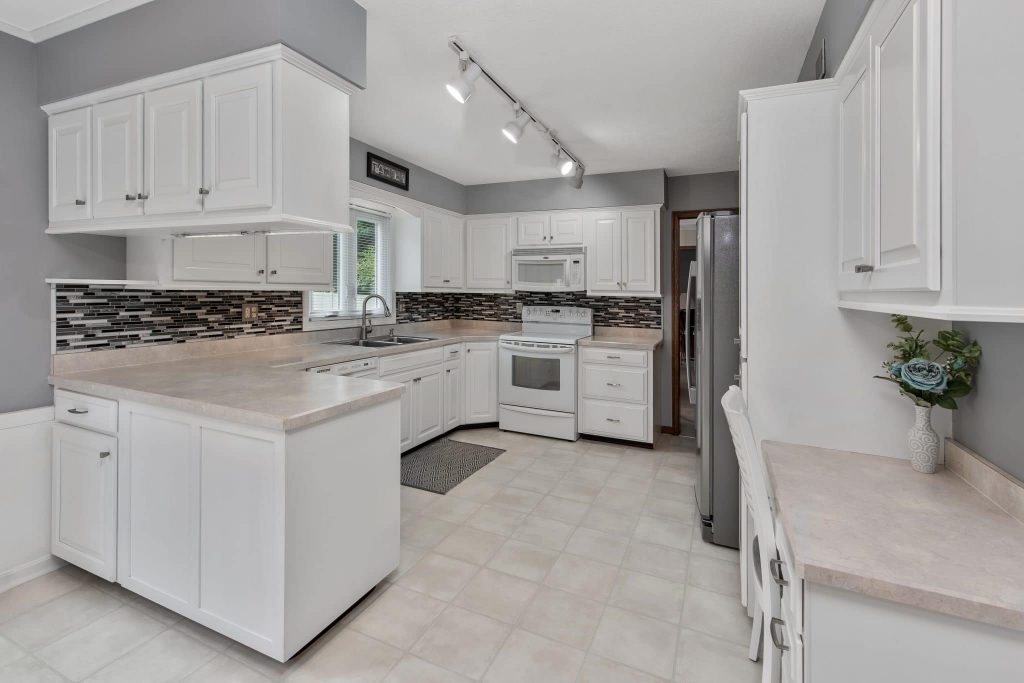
x=452, y=386
x=428, y=411
x=84, y=499
x=421, y=374
x=481, y=370
x=616, y=393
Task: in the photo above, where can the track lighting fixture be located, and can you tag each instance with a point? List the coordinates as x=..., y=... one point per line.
x=461, y=88
x=513, y=130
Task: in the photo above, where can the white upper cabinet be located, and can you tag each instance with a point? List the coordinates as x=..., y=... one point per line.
x=69, y=165
x=117, y=158
x=257, y=141
x=856, y=220
x=442, y=250
x=238, y=137
x=174, y=149
x=566, y=228
x=488, y=261
x=639, y=252
x=233, y=258
x=299, y=259
x=533, y=230
x=603, y=233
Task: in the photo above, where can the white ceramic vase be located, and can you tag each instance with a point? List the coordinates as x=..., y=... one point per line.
x=924, y=442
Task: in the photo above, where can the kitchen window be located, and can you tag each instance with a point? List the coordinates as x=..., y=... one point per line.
x=363, y=265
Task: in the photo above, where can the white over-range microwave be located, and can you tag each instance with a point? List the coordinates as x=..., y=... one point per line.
x=549, y=270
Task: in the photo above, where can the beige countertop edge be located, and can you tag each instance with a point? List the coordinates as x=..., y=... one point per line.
x=964, y=607
x=226, y=413
x=625, y=342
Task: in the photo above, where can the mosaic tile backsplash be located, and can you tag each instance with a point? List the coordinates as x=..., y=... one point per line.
x=95, y=317
x=609, y=311
x=90, y=317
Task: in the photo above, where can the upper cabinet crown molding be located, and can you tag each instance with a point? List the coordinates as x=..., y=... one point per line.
x=255, y=141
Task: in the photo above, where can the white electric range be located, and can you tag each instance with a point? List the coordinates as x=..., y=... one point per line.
x=537, y=371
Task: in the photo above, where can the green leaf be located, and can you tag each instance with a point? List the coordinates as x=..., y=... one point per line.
x=957, y=389
x=946, y=401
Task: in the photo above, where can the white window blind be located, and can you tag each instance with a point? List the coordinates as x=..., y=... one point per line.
x=363, y=265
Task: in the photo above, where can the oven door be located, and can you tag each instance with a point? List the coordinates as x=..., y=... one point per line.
x=537, y=375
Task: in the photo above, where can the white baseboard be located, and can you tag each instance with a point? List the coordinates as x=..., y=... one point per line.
x=28, y=571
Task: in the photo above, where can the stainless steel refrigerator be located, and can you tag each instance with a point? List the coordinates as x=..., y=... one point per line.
x=712, y=366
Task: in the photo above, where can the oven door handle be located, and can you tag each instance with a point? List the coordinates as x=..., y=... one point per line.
x=511, y=346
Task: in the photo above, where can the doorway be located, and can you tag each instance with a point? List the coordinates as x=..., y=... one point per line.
x=682, y=320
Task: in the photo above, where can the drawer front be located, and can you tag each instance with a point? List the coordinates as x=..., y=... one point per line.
x=405, y=361
x=636, y=359
x=615, y=384
x=452, y=352
x=82, y=410
x=619, y=420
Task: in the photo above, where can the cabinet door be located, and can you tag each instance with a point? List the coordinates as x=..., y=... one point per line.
x=566, y=228
x=640, y=252
x=442, y=250
x=481, y=385
x=173, y=149
x=455, y=262
x=406, y=435
x=117, y=158
x=532, y=231
x=488, y=262
x=427, y=393
x=84, y=500
x=299, y=259
x=856, y=227
x=452, y=395
x=603, y=234
x=231, y=258
x=906, y=65
x=69, y=165
x=238, y=139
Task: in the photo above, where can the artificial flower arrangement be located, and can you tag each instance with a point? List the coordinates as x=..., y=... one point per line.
x=930, y=379
x=927, y=379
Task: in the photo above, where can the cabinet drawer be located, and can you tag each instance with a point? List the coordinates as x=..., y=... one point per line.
x=452, y=352
x=90, y=412
x=615, y=384
x=405, y=361
x=619, y=420
x=637, y=359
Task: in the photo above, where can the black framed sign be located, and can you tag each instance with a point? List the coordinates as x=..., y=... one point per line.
x=386, y=171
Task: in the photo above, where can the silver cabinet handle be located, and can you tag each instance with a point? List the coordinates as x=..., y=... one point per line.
x=448, y=372
x=613, y=419
x=777, y=637
x=204, y=191
x=79, y=202
x=446, y=281
x=613, y=357
x=863, y=268
x=417, y=379
x=453, y=351
x=131, y=197
x=613, y=384
x=76, y=411
x=775, y=568
x=143, y=196
x=104, y=454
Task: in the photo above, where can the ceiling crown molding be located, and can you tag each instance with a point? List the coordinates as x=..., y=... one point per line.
x=71, y=21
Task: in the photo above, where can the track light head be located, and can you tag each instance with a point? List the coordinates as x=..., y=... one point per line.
x=577, y=180
x=461, y=87
x=566, y=166
x=513, y=130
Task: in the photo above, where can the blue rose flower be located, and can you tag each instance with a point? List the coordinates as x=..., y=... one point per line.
x=895, y=369
x=924, y=375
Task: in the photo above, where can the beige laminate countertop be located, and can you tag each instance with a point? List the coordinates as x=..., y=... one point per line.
x=873, y=525
x=262, y=388
x=624, y=338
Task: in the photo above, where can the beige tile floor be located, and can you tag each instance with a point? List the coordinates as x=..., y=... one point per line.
x=556, y=562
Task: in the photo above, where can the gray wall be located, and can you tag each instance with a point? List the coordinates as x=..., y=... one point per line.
x=686, y=193
x=988, y=421
x=606, y=189
x=425, y=186
x=29, y=255
x=166, y=35
x=838, y=24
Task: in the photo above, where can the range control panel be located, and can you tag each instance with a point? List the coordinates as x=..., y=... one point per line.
x=558, y=314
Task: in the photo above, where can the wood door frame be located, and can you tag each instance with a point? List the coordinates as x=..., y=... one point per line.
x=675, y=427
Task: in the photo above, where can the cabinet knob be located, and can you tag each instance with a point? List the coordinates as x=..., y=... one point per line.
x=104, y=454
x=417, y=379
x=79, y=202
x=446, y=281
x=863, y=268
x=131, y=197
x=273, y=272
x=143, y=196
x=204, y=191
x=260, y=271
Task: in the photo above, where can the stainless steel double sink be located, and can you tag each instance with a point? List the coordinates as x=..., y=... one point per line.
x=381, y=342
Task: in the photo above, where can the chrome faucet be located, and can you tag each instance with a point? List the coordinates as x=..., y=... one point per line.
x=366, y=327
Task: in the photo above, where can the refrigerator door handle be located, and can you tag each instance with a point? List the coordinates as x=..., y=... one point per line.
x=691, y=388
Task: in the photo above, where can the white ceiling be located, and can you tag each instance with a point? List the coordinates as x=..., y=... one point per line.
x=37, y=20
x=628, y=84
